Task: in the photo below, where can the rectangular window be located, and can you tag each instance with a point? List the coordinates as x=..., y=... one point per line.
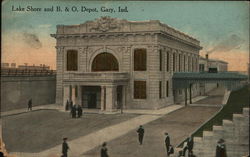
x=167, y=61
x=160, y=87
x=179, y=62
x=167, y=86
x=140, y=60
x=189, y=61
x=184, y=63
x=140, y=90
x=160, y=58
x=173, y=61
x=72, y=60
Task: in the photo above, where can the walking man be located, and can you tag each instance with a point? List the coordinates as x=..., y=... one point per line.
x=140, y=132
x=104, y=150
x=65, y=147
x=30, y=105
x=167, y=141
x=221, y=149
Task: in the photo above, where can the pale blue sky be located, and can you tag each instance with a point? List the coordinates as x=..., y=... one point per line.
x=210, y=22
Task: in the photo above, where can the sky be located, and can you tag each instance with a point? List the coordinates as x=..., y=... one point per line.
x=222, y=27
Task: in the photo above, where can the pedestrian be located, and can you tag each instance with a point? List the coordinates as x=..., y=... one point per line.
x=70, y=104
x=30, y=105
x=104, y=150
x=140, y=132
x=167, y=141
x=73, y=111
x=171, y=150
x=190, y=145
x=221, y=149
x=65, y=147
x=67, y=106
x=79, y=111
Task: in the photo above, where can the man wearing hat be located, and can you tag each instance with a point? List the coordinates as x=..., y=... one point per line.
x=65, y=147
x=167, y=141
x=140, y=132
x=221, y=149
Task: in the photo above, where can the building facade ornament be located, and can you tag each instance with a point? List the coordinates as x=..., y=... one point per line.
x=105, y=24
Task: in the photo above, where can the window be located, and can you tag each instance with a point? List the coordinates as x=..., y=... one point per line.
x=72, y=60
x=160, y=87
x=167, y=61
x=179, y=62
x=140, y=60
x=105, y=62
x=184, y=63
x=160, y=58
x=140, y=90
x=167, y=88
x=201, y=67
x=189, y=61
x=173, y=61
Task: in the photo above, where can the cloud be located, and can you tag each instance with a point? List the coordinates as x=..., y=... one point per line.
x=32, y=40
x=228, y=44
x=45, y=26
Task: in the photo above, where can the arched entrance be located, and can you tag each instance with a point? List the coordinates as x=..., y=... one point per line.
x=105, y=62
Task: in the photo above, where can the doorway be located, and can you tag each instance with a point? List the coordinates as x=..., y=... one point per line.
x=91, y=100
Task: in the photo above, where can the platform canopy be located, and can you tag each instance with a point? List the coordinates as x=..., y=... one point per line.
x=229, y=79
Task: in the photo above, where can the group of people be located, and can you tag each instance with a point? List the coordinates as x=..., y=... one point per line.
x=170, y=150
x=75, y=110
x=187, y=150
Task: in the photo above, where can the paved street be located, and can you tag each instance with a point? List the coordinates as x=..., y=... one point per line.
x=215, y=97
x=179, y=124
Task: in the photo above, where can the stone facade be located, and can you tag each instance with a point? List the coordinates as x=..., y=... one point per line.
x=174, y=50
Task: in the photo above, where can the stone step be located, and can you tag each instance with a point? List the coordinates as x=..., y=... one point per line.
x=246, y=112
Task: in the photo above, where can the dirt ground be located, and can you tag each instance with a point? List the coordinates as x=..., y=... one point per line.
x=39, y=130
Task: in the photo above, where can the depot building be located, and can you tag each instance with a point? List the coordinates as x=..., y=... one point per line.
x=111, y=63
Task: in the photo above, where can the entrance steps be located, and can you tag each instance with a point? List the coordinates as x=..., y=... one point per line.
x=235, y=132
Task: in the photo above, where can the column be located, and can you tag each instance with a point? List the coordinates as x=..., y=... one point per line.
x=79, y=95
x=124, y=88
x=66, y=94
x=110, y=97
x=74, y=94
x=190, y=93
x=102, y=98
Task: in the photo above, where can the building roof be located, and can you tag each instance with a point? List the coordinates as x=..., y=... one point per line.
x=107, y=24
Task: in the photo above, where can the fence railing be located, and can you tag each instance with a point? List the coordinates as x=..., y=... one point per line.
x=27, y=72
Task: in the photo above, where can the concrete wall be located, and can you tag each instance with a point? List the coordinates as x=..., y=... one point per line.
x=17, y=90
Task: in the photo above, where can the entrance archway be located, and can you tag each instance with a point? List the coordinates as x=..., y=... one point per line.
x=105, y=62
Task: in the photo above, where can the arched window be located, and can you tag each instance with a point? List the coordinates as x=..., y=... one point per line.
x=72, y=60
x=105, y=62
x=140, y=60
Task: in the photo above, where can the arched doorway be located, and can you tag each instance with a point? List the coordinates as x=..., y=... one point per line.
x=105, y=62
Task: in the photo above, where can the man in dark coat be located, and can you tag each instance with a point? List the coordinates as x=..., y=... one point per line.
x=190, y=145
x=221, y=149
x=30, y=105
x=140, y=132
x=167, y=141
x=65, y=148
x=73, y=111
x=67, y=106
x=79, y=111
x=104, y=150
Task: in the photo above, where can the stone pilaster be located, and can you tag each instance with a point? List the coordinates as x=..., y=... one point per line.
x=59, y=74
x=111, y=97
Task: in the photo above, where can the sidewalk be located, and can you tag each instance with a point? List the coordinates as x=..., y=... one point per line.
x=35, y=108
